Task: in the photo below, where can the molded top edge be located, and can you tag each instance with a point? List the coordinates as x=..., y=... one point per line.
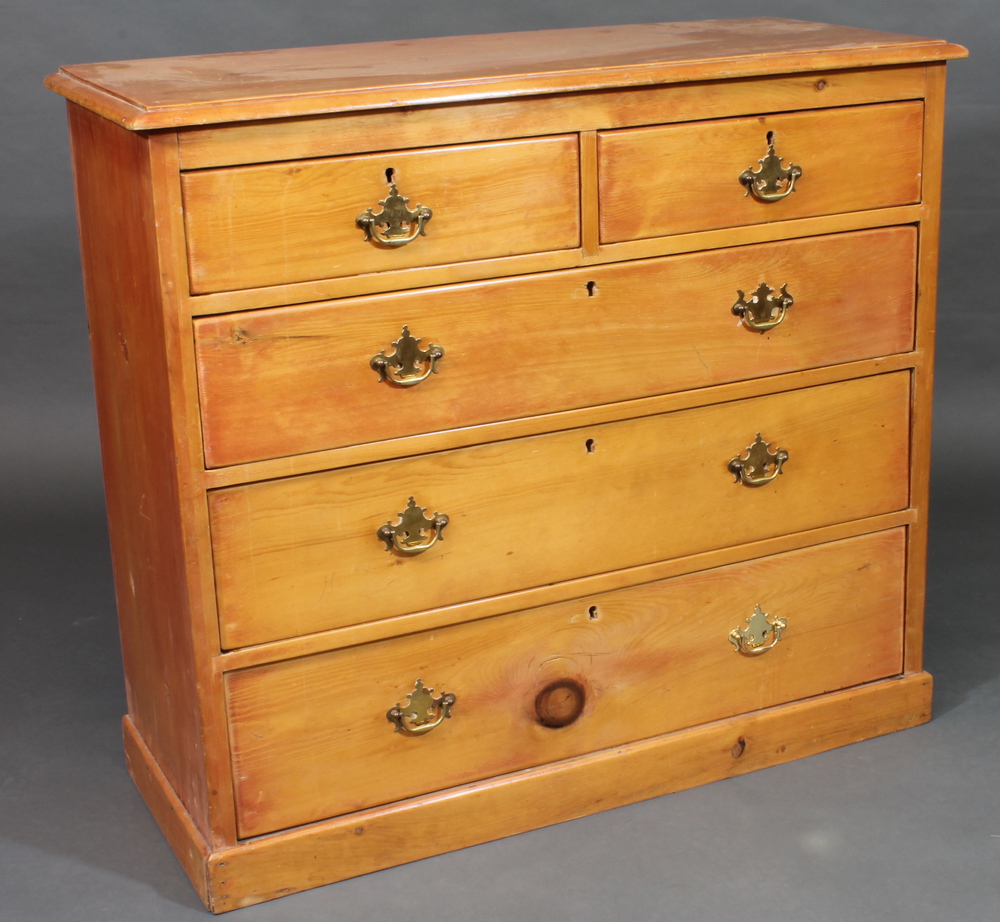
x=207, y=89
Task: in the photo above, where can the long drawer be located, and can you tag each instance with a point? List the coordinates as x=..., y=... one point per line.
x=310, y=737
x=543, y=343
x=300, y=555
x=676, y=179
x=276, y=223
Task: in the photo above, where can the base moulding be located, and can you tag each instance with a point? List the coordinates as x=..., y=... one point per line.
x=382, y=837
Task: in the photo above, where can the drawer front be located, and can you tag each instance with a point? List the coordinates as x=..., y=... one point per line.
x=678, y=179
x=539, y=344
x=304, y=554
x=311, y=739
x=250, y=227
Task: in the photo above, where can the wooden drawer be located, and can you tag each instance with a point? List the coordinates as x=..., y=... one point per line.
x=310, y=737
x=254, y=226
x=526, y=346
x=677, y=179
x=300, y=555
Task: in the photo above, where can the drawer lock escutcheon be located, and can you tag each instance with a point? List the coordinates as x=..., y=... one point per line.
x=415, y=532
x=760, y=634
x=760, y=466
x=402, y=226
x=765, y=309
x=408, y=364
x=423, y=713
x=772, y=182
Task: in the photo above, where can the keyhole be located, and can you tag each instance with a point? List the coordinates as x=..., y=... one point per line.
x=591, y=289
x=591, y=446
x=390, y=176
x=592, y=613
x=770, y=139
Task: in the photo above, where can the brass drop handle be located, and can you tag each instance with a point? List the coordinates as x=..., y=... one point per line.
x=765, y=310
x=402, y=226
x=423, y=713
x=409, y=364
x=760, y=466
x=410, y=534
x=760, y=634
x=772, y=182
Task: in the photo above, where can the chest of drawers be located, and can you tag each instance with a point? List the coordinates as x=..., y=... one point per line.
x=504, y=428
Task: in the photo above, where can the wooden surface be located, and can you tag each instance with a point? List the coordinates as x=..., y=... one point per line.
x=322, y=853
x=579, y=275
x=127, y=334
x=491, y=606
x=644, y=656
x=923, y=379
x=193, y=510
x=300, y=555
x=681, y=178
x=299, y=138
x=615, y=332
x=170, y=812
x=477, y=270
x=296, y=222
x=172, y=92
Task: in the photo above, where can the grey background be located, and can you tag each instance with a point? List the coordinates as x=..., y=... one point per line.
x=904, y=827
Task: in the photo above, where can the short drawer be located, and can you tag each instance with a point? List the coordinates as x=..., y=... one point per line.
x=271, y=224
x=311, y=739
x=545, y=343
x=309, y=553
x=676, y=179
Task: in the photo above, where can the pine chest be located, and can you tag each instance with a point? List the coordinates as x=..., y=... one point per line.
x=503, y=428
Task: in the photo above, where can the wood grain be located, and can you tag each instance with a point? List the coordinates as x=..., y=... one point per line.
x=540, y=344
x=313, y=855
x=423, y=277
x=494, y=119
x=578, y=433
x=300, y=555
x=139, y=446
x=193, y=509
x=322, y=853
x=682, y=178
x=173, y=92
x=643, y=656
x=590, y=216
x=923, y=379
x=280, y=223
x=185, y=839
x=314, y=462
x=369, y=632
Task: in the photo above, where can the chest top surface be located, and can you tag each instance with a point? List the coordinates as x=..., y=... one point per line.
x=206, y=89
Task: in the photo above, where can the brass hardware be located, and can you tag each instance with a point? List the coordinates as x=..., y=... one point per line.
x=423, y=713
x=401, y=225
x=759, y=636
x=403, y=367
x=408, y=536
x=763, y=311
x=560, y=703
x=753, y=469
x=772, y=182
